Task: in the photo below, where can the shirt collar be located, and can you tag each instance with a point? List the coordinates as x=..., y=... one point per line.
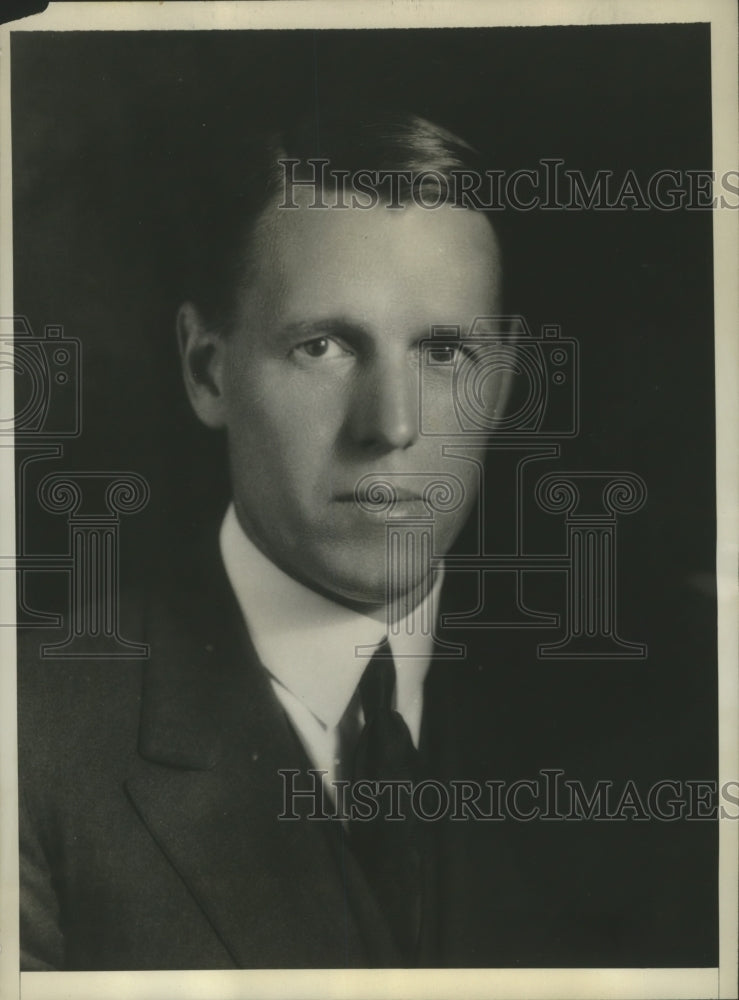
x=314, y=647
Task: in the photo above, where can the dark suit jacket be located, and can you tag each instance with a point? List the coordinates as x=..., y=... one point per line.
x=150, y=795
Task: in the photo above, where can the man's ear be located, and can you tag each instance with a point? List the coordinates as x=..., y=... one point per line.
x=202, y=354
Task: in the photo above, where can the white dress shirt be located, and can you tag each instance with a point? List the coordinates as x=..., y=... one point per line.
x=312, y=646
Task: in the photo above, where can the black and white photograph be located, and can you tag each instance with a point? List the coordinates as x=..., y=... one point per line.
x=369, y=440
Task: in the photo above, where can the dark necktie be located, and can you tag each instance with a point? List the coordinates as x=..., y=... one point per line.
x=389, y=851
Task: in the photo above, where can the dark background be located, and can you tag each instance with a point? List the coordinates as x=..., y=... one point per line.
x=106, y=128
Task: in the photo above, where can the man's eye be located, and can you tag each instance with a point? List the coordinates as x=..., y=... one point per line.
x=450, y=354
x=320, y=348
x=443, y=355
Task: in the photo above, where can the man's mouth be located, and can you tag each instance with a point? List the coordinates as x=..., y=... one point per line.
x=382, y=501
x=379, y=496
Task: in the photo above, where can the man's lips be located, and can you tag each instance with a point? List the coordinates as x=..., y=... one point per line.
x=377, y=498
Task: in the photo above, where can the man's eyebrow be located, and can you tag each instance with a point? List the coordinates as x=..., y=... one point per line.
x=326, y=326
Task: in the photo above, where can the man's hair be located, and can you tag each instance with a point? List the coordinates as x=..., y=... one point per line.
x=235, y=187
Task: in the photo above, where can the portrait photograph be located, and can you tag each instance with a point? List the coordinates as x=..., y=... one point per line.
x=369, y=427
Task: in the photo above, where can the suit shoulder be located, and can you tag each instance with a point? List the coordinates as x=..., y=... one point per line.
x=83, y=699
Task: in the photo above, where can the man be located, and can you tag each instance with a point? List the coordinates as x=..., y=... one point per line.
x=166, y=811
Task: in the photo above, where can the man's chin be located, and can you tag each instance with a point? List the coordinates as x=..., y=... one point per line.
x=365, y=592
x=370, y=589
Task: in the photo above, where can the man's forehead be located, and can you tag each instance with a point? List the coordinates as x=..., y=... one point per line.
x=312, y=250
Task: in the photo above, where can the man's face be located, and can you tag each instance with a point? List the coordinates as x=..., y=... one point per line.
x=321, y=382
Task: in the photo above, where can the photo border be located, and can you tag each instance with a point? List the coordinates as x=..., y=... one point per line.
x=503, y=983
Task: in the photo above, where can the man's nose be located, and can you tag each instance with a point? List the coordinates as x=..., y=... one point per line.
x=384, y=409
